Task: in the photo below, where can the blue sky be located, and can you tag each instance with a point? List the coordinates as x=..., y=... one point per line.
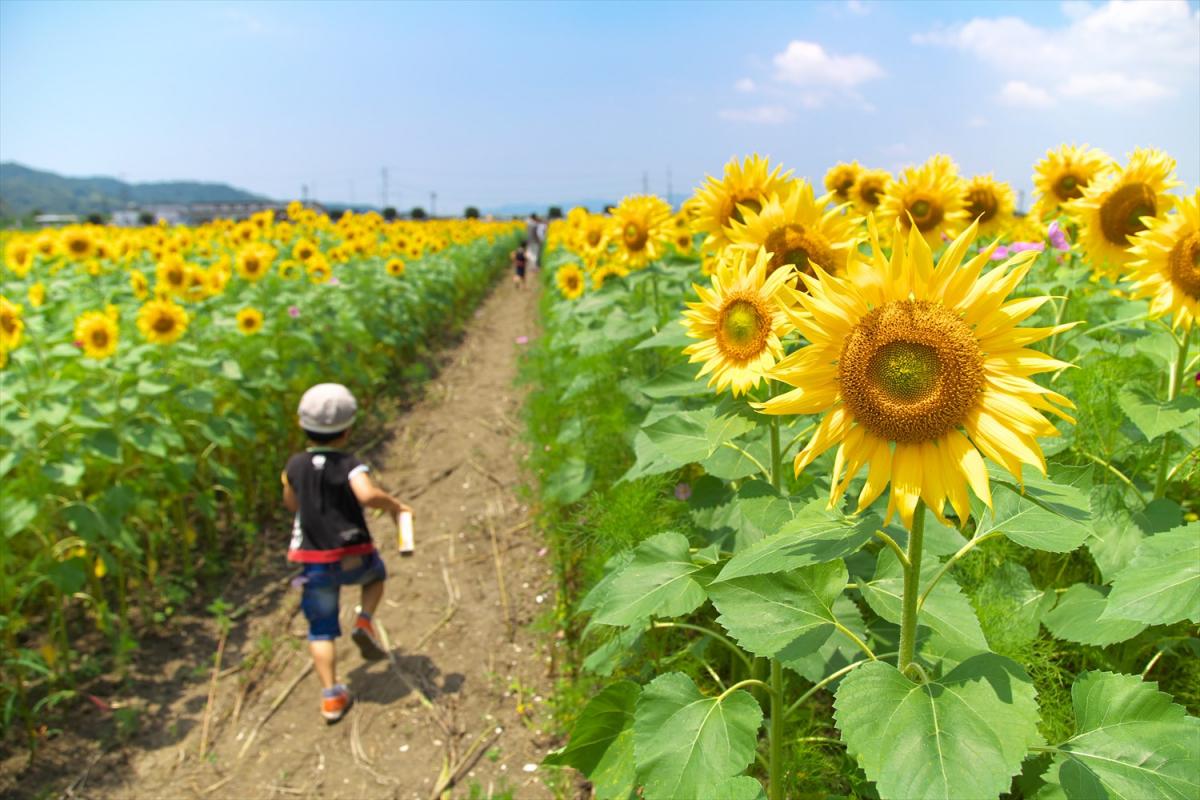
x=491, y=103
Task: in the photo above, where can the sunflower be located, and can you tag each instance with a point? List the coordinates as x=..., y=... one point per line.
x=139, y=284
x=318, y=269
x=739, y=321
x=394, y=267
x=77, y=243
x=37, y=295
x=840, y=180
x=601, y=274
x=162, y=321
x=46, y=244
x=249, y=320
x=991, y=202
x=569, y=279
x=173, y=275
x=1062, y=176
x=215, y=279
x=96, y=333
x=930, y=196
x=11, y=324
x=289, y=269
x=254, y=261
x=1116, y=205
x=919, y=371
x=795, y=229
x=640, y=227
x=682, y=239
x=18, y=256
x=869, y=189
x=592, y=239
x=304, y=249
x=744, y=187
x=1165, y=265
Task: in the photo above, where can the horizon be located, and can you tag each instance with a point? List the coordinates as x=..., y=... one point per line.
x=545, y=110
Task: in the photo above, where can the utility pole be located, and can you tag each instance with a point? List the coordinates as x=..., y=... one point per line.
x=304, y=193
x=433, y=204
x=645, y=182
x=384, y=196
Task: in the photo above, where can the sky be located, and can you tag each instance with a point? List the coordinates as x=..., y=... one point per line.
x=494, y=103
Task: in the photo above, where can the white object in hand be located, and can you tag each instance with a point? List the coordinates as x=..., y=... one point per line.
x=405, y=525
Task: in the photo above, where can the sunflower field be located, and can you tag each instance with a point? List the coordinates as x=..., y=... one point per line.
x=877, y=488
x=148, y=380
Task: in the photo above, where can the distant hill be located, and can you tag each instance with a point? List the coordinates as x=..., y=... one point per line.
x=24, y=190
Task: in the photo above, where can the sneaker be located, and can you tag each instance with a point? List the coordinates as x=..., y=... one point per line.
x=368, y=643
x=334, y=708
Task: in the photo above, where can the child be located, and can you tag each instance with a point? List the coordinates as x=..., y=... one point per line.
x=519, y=260
x=327, y=489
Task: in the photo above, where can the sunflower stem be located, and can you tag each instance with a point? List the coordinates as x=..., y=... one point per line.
x=775, y=765
x=1174, y=378
x=912, y=588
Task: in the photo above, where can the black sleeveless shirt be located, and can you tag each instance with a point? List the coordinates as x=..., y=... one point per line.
x=329, y=523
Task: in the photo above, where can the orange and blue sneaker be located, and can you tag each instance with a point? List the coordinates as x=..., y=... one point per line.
x=335, y=703
x=368, y=643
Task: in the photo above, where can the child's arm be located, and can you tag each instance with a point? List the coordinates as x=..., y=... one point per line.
x=289, y=496
x=371, y=496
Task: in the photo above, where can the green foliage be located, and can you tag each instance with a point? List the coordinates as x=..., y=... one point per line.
x=601, y=743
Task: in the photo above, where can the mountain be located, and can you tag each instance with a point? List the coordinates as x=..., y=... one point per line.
x=24, y=190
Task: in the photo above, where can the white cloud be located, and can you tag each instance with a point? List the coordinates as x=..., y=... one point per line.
x=745, y=85
x=758, y=115
x=1119, y=53
x=977, y=121
x=1020, y=94
x=807, y=64
x=857, y=7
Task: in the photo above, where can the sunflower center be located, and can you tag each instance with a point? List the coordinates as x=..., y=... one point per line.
x=982, y=204
x=1121, y=212
x=793, y=244
x=163, y=323
x=635, y=236
x=99, y=338
x=743, y=327
x=1069, y=187
x=870, y=195
x=926, y=214
x=593, y=237
x=749, y=202
x=251, y=264
x=78, y=246
x=572, y=282
x=910, y=371
x=8, y=323
x=1184, y=263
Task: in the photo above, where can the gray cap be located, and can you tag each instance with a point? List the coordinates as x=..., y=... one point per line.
x=327, y=408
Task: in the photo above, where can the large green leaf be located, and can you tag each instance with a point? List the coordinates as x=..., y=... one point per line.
x=961, y=736
x=673, y=335
x=622, y=646
x=1045, y=515
x=946, y=610
x=683, y=437
x=786, y=615
x=814, y=536
x=676, y=381
x=1010, y=607
x=569, y=482
x=1162, y=583
x=660, y=580
x=1077, y=618
x=1154, y=417
x=839, y=650
x=686, y=743
x=601, y=741
x=1130, y=742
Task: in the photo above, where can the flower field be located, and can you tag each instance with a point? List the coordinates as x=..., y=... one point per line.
x=876, y=488
x=148, y=381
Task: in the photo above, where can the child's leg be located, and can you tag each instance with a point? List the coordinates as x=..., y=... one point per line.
x=372, y=593
x=324, y=656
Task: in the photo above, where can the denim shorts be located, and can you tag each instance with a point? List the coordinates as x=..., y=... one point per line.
x=321, y=585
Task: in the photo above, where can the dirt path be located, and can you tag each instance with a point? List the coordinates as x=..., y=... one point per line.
x=465, y=690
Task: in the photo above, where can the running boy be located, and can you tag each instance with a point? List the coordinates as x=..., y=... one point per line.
x=327, y=489
x=519, y=262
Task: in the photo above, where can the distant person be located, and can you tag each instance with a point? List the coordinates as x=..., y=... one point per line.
x=327, y=488
x=519, y=261
x=533, y=238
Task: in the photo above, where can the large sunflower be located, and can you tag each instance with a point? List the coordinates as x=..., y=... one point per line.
x=1063, y=174
x=1116, y=206
x=1165, y=265
x=918, y=372
x=869, y=189
x=931, y=195
x=840, y=180
x=11, y=324
x=640, y=228
x=249, y=320
x=991, y=202
x=18, y=256
x=744, y=187
x=795, y=229
x=96, y=332
x=569, y=279
x=254, y=261
x=739, y=321
x=162, y=321
x=173, y=275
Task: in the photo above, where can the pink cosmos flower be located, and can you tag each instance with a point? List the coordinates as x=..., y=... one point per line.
x=522, y=340
x=1058, y=238
x=293, y=311
x=682, y=491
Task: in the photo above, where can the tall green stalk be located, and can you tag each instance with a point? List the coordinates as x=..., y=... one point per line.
x=1174, y=379
x=775, y=771
x=912, y=588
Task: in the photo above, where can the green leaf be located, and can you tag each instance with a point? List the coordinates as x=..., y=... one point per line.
x=729, y=464
x=660, y=580
x=612, y=568
x=620, y=648
x=15, y=514
x=813, y=536
x=1010, y=607
x=198, y=400
x=1154, y=417
x=1047, y=515
x=601, y=741
x=786, y=615
x=1077, y=618
x=686, y=743
x=65, y=473
x=231, y=370
x=947, y=610
x=677, y=381
x=673, y=335
x=152, y=388
x=68, y=576
x=683, y=437
x=742, y=787
x=961, y=736
x=569, y=482
x=104, y=444
x=839, y=650
x=1161, y=585
x=1130, y=741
